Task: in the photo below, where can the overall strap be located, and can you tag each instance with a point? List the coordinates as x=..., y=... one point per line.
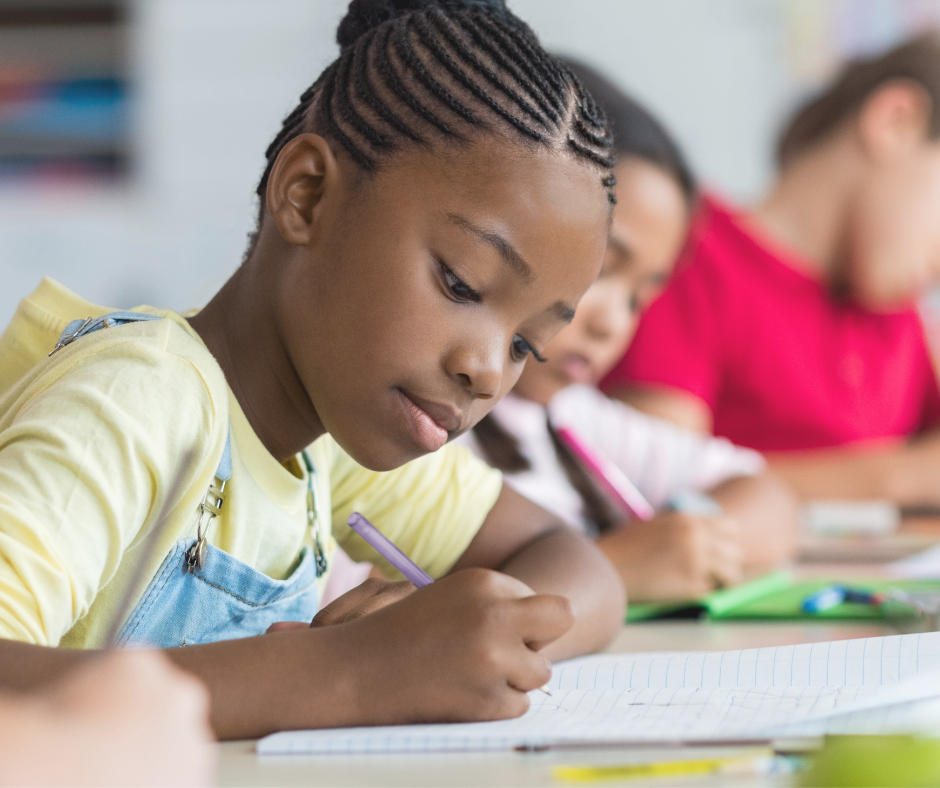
x=78, y=328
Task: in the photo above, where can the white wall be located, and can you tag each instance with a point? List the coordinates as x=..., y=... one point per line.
x=215, y=78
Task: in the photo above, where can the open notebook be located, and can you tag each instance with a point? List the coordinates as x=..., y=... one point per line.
x=871, y=685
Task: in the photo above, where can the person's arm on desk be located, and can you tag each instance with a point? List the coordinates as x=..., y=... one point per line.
x=906, y=473
x=123, y=719
x=680, y=555
x=468, y=647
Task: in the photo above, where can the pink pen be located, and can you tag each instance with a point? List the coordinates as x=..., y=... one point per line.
x=613, y=479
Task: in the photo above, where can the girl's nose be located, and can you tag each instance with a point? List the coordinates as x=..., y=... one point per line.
x=477, y=367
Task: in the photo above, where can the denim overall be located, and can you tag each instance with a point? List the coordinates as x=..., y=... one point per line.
x=201, y=594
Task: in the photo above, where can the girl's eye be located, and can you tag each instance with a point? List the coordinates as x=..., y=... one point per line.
x=459, y=289
x=521, y=349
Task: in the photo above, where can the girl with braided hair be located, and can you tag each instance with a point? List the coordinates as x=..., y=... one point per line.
x=430, y=215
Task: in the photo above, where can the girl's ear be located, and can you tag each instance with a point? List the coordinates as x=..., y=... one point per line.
x=305, y=171
x=894, y=119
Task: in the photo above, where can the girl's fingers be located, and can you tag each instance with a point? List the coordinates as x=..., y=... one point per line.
x=542, y=618
x=393, y=592
x=366, y=598
x=529, y=670
x=727, y=566
x=283, y=626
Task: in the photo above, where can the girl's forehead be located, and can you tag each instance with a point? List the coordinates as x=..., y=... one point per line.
x=521, y=188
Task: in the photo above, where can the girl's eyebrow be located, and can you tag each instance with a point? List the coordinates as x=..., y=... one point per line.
x=506, y=250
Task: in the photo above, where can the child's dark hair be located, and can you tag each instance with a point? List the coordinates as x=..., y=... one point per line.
x=918, y=60
x=636, y=131
x=501, y=450
x=414, y=72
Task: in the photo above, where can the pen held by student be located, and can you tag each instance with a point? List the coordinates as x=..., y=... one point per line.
x=608, y=474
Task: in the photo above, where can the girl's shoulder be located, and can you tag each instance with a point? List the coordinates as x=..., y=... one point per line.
x=27, y=345
x=154, y=376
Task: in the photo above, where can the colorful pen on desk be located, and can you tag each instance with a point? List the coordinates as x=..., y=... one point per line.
x=830, y=596
x=614, y=479
x=386, y=548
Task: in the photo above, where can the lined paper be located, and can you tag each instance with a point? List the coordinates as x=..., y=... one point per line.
x=860, y=662
x=889, y=684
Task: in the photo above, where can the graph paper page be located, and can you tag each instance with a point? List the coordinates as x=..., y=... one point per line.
x=863, y=686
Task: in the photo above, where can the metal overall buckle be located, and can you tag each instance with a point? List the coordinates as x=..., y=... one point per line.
x=313, y=516
x=67, y=338
x=209, y=509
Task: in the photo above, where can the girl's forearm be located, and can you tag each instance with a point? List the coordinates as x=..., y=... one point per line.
x=566, y=563
x=28, y=668
x=258, y=685
x=285, y=680
x=906, y=473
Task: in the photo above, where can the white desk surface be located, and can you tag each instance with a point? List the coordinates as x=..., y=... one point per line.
x=239, y=766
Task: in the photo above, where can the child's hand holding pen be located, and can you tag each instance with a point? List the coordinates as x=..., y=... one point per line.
x=466, y=647
x=507, y=625
x=463, y=649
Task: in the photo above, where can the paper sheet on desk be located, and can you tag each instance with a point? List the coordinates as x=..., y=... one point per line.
x=872, y=685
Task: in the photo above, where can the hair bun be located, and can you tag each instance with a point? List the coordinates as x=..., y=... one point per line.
x=364, y=15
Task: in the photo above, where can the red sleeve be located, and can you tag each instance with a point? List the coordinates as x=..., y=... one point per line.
x=679, y=342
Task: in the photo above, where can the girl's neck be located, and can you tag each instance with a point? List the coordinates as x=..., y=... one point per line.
x=239, y=327
x=806, y=210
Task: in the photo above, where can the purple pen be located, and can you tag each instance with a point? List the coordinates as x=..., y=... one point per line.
x=387, y=549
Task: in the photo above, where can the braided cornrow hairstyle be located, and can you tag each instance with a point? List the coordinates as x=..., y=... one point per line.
x=416, y=72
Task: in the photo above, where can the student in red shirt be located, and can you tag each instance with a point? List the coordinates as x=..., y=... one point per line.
x=792, y=328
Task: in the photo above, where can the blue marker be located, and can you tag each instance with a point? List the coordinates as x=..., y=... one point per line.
x=830, y=596
x=823, y=599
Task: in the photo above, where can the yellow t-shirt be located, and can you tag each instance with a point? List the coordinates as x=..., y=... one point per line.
x=91, y=439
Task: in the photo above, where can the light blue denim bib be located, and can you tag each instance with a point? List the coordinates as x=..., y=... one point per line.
x=225, y=599
x=217, y=597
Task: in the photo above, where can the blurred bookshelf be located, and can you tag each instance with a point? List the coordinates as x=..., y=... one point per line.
x=64, y=92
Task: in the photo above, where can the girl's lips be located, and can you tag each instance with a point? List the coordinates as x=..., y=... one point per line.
x=577, y=368
x=427, y=432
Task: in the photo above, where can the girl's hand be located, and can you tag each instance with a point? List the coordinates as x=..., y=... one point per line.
x=676, y=556
x=366, y=598
x=462, y=649
x=125, y=719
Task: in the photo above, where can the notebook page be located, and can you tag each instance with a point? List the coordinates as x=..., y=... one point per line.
x=860, y=662
x=640, y=715
x=873, y=686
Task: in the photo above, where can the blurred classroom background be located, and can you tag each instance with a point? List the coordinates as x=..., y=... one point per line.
x=132, y=131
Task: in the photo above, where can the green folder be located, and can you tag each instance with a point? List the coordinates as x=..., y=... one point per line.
x=715, y=604
x=776, y=597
